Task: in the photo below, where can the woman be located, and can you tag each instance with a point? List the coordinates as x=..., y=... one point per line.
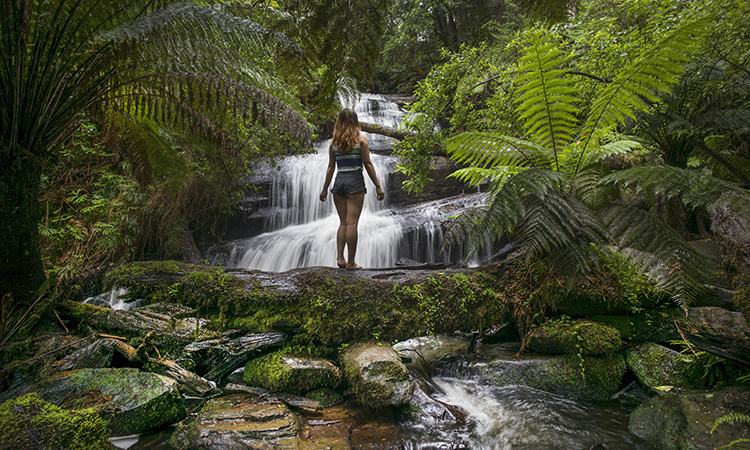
x=349, y=151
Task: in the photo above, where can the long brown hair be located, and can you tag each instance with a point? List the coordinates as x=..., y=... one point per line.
x=346, y=131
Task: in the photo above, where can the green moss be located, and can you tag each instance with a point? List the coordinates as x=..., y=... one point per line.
x=274, y=372
x=326, y=397
x=30, y=422
x=577, y=337
x=650, y=326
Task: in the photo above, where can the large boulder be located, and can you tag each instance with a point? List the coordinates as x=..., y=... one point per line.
x=376, y=374
x=29, y=422
x=660, y=369
x=285, y=373
x=650, y=326
x=591, y=378
x=131, y=401
x=720, y=332
x=684, y=420
x=238, y=421
x=582, y=337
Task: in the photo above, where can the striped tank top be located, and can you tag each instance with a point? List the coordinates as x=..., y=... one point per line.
x=348, y=162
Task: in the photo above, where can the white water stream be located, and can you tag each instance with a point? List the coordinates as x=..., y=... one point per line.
x=302, y=230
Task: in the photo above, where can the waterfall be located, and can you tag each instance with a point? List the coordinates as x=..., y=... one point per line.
x=303, y=229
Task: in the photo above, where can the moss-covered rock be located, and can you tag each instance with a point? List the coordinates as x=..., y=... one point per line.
x=578, y=337
x=283, y=373
x=650, y=326
x=683, y=421
x=591, y=378
x=130, y=401
x=326, y=397
x=30, y=422
x=326, y=305
x=376, y=375
x=659, y=368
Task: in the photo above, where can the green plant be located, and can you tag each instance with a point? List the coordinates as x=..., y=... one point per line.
x=546, y=189
x=732, y=418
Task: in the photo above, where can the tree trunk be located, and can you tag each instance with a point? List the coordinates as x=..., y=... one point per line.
x=21, y=271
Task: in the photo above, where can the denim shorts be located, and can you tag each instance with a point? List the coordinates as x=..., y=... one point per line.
x=348, y=183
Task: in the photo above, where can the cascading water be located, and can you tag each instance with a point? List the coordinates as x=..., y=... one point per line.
x=302, y=230
x=498, y=418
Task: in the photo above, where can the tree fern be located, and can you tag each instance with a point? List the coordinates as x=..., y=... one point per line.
x=659, y=250
x=546, y=107
x=640, y=82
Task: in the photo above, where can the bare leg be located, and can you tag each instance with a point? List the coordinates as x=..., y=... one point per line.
x=353, y=210
x=340, y=203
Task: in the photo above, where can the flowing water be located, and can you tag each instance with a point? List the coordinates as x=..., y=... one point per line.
x=500, y=418
x=302, y=230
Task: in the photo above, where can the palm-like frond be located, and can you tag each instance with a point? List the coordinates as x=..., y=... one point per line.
x=547, y=107
x=659, y=250
x=587, y=187
x=487, y=150
x=640, y=82
x=694, y=188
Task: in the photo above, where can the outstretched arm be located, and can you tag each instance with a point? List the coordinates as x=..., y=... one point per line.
x=364, y=143
x=329, y=174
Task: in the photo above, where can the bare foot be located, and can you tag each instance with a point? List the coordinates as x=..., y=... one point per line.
x=342, y=265
x=354, y=267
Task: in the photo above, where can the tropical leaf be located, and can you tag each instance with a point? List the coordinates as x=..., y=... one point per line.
x=487, y=150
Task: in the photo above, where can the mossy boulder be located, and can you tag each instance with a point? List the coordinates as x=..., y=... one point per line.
x=591, y=378
x=29, y=421
x=650, y=326
x=684, y=420
x=577, y=337
x=376, y=375
x=131, y=401
x=238, y=421
x=284, y=373
x=324, y=305
x=660, y=369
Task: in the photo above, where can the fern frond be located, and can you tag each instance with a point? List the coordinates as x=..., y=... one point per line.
x=587, y=188
x=547, y=106
x=658, y=69
x=660, y=251
x=556, y=222
x=694, y=188
x=487, y=150
x=187, y=100
x=731, y=418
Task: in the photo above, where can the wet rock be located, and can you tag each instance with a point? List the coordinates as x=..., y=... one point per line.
x=574, y=337
x=97, y=355
x=216, y=358
x=346, y=427
x=284, y=373
x=425, y=408
x=732, y=224
x=29, y=422
x=295, y=401
x=238, y=421
x=376, y=374
x=131, y=401
x=169, y=324
x=720, y=332
x=591, y=378
x=683, y=420
x=660, y=369
x=441, y=188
